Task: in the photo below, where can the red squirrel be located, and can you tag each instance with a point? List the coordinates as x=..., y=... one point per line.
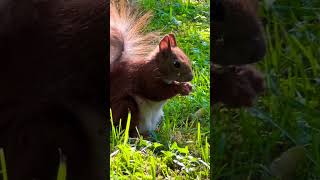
x=238, y=40
x=52, y=98
x=237, y=32
x=143, y=76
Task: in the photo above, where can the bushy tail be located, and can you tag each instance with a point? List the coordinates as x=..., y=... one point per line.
x=127, y=37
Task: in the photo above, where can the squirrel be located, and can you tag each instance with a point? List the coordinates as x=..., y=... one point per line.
x=238, y=41
x=143, y=76
x=52, y=101
x=237, y=32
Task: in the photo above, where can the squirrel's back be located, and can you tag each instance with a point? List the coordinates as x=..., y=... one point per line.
x=127, y=37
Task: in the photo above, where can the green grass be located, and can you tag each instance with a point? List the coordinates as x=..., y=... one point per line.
x=247, y=142
x=3, y=168
x=180, y=148
x=61, y=173
x=136, y=158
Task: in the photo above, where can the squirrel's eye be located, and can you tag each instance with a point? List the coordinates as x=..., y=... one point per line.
x=176, y=64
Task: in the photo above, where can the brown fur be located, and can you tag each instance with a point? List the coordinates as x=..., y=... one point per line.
x=136, y=72
x=53, y=73
x=127, y=25
x=238, y=36
x=238, y=39
x=144, y=78
x=237, y=86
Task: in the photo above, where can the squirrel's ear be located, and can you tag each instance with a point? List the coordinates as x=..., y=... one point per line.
x=172, y=39
x=164, y=44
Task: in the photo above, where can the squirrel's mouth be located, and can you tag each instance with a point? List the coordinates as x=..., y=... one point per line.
x=168, y=81
x=186, y=78
x=180, y=78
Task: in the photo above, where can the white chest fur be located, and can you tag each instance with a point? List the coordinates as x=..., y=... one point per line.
x=150, y=113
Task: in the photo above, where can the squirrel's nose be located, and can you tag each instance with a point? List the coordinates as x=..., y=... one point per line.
x=190, y=76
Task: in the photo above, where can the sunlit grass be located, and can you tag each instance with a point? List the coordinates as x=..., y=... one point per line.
x=136, y=158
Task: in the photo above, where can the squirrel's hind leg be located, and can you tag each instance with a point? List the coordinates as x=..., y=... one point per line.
x=120, y=110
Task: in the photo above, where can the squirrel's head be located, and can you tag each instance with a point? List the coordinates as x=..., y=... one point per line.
x=173, y=64
x=238, y=35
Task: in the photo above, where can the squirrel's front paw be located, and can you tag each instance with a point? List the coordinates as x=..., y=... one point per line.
x=185, y=88
x=238, y=87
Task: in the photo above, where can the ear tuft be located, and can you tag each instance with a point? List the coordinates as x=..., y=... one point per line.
x=172, y=39
x=164, y=44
